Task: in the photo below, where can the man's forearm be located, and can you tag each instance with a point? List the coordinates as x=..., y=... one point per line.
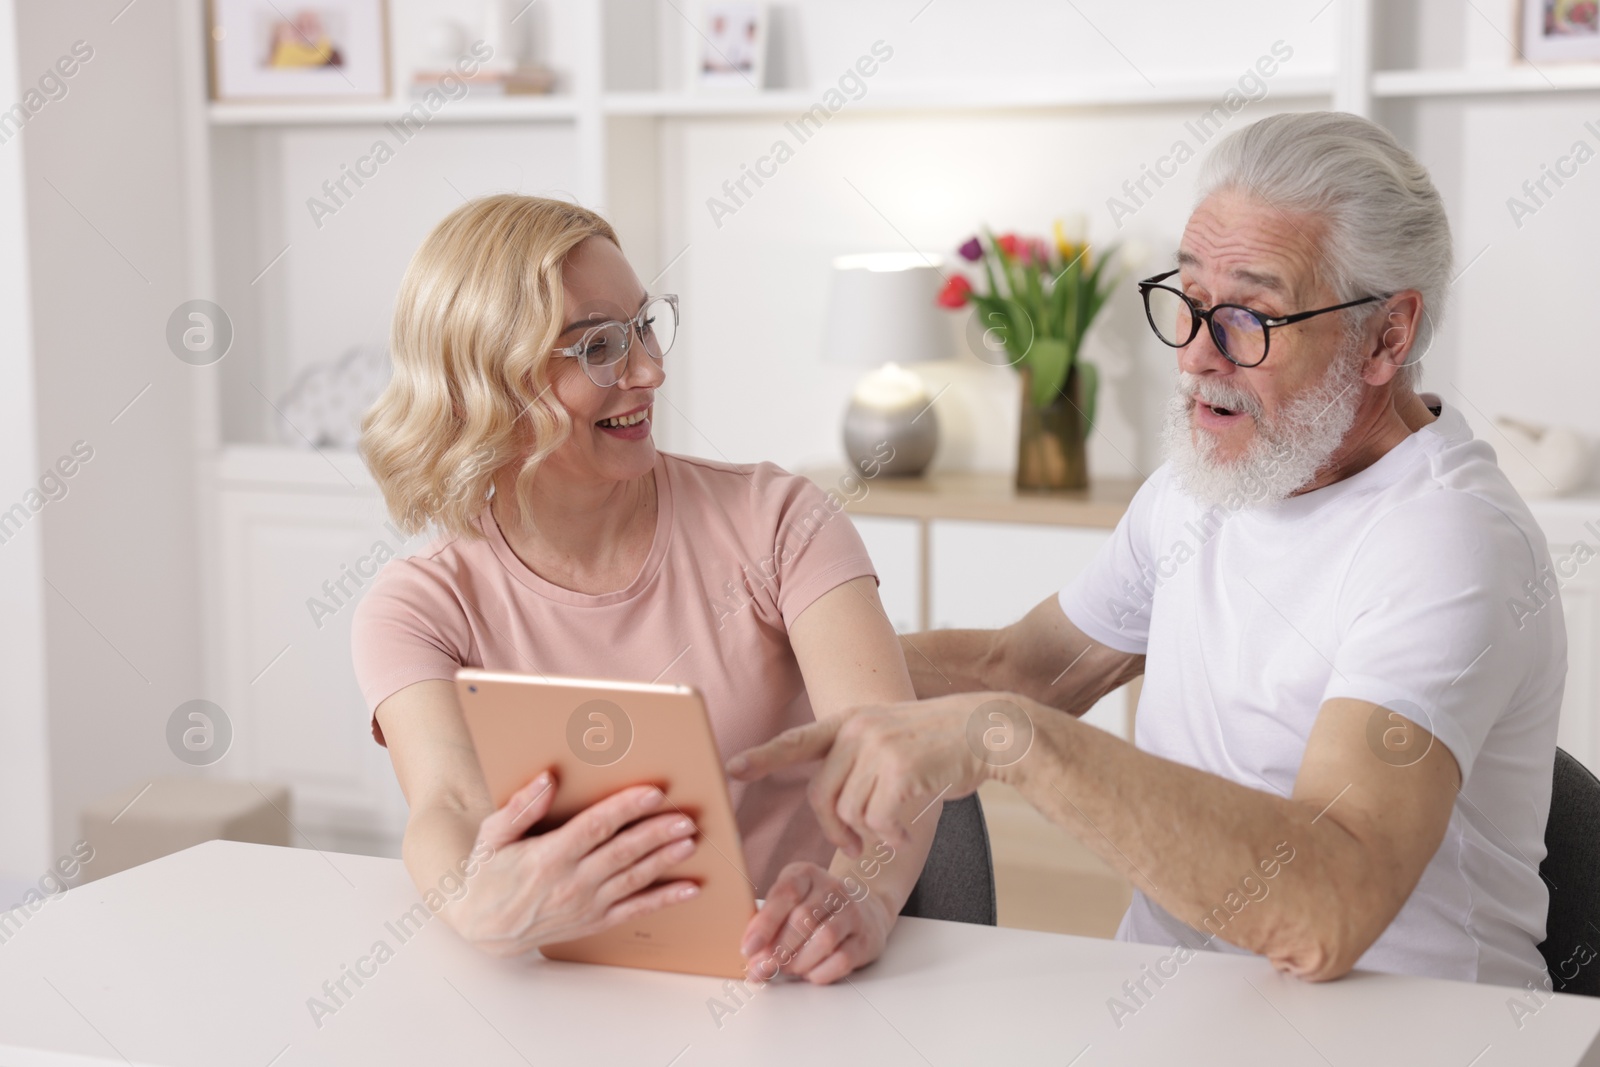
x=1257, y=870
x=1042, y=655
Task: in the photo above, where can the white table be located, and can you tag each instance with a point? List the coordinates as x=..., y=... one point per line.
x=208, y=958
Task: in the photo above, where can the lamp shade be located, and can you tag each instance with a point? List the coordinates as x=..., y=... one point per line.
x=881, y=309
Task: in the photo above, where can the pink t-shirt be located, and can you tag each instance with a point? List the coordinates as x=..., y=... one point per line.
x=739, y=552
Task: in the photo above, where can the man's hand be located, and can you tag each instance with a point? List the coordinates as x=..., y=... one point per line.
x=815, y=925
x=886, y=767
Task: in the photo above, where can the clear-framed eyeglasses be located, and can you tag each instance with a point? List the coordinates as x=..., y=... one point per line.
x=603, y=349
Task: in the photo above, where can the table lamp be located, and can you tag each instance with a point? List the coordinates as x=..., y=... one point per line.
x=881, y=314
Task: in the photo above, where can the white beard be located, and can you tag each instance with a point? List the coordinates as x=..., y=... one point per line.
x=1286, y=452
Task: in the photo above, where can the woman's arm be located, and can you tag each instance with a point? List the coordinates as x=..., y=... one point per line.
x=438, y=773
x=507, y=893
x=850, y=657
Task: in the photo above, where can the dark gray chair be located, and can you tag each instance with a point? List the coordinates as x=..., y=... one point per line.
x=957, y=884
x=1571, y=869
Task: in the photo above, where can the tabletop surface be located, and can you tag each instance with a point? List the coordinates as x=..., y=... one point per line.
x=980, y=496
x=212, y=957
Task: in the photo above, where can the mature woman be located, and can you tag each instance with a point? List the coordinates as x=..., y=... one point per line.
x=527, y=359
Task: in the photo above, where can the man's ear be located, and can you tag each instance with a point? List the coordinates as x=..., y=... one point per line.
x=1392, y=338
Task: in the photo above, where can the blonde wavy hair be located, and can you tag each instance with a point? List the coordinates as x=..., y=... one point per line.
x=478, y=312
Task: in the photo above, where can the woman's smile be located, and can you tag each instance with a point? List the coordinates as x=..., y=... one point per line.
x=631, y=425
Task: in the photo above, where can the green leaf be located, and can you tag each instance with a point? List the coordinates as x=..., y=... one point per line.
x=1024, y=332
x=1092, y=294
x=988, y=264
x=985, y=302
x=1014, y=284
x=1049, y=362
x=1036, y=301
x=998, y=255
x=1062, y=299
x=1099, y=287
x=1088, y=394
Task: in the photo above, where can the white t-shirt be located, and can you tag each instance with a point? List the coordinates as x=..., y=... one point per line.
x=1402, y=585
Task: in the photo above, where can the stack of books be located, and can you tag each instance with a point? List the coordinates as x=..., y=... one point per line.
x=518, y=81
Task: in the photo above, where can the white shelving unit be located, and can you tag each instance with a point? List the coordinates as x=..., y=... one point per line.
x=513, y=109
x=1100, y=93
x=595, y=116
x=600, y=141
x=1520, y=81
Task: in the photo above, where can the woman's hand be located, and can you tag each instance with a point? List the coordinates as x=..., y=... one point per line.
x=813, y=926
x=583, y=877
x=885, y=767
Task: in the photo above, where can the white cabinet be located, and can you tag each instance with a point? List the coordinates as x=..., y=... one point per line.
x=1580, y=707
x=295, y=560
x=990, y=574
x=895, y=546
x=1573, y=528
x=965, y=550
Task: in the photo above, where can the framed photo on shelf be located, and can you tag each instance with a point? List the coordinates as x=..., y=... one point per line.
x=299, y=50
x=1561, y=30
x=729, y=47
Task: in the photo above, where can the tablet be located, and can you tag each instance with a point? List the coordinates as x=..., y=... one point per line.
x=602, y=737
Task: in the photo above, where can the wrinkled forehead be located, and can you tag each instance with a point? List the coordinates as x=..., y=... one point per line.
x=1235, y=244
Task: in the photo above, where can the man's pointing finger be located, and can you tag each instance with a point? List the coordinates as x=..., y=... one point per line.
x=799, y=745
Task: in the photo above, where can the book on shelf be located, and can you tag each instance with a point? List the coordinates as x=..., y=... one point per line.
x=518, y=81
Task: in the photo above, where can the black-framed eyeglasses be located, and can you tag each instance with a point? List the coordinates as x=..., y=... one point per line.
x=1242, y=334
x=603, y=349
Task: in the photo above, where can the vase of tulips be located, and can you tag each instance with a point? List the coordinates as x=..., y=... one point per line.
x=1038, y=302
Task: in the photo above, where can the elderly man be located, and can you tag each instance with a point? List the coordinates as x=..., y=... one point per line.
x=1345, y=738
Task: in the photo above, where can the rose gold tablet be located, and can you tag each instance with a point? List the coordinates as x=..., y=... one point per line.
x=602, y=737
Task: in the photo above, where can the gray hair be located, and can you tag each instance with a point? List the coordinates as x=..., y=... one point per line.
x=1386, y=224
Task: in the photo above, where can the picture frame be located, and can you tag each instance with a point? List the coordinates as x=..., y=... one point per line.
x=263, y=50
x=1561, y=31
x=728, y=48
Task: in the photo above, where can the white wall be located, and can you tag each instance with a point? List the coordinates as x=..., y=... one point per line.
x=24, y=763
x=107, y=263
